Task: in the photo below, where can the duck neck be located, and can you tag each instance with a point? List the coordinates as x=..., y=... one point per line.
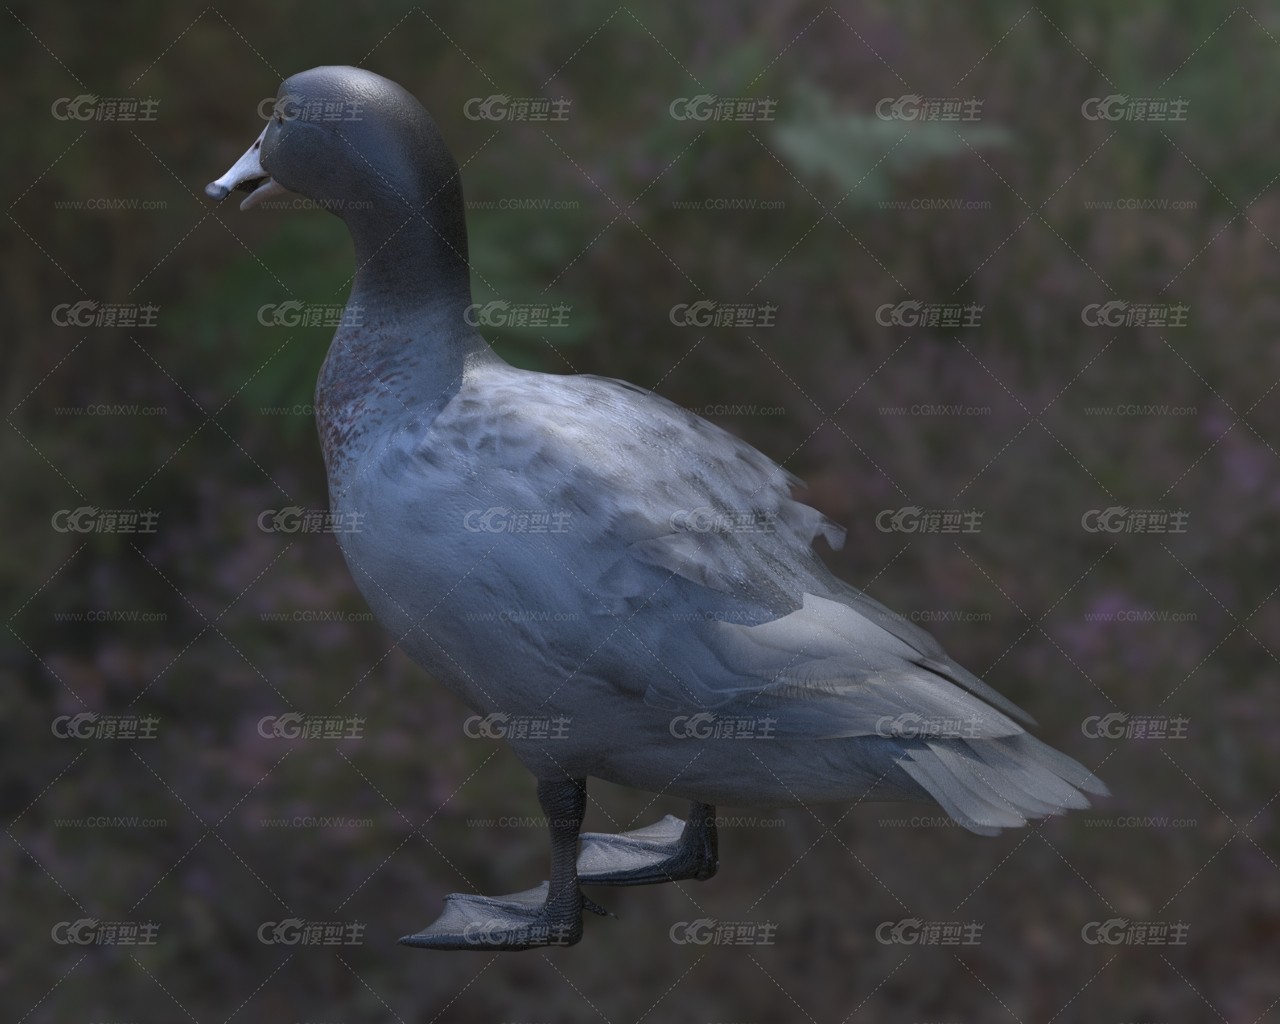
x=405, y=347
x=411, y=262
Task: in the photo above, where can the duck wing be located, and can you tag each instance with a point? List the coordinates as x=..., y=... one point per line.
x=679, y=515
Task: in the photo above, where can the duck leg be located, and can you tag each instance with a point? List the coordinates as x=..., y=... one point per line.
x=667, y=851
x=550, y=914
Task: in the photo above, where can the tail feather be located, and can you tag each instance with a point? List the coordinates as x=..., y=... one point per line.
x=1045, y=786
x=1059, y=763
x=990, y=784
x=966, y=807
x=1003, y=789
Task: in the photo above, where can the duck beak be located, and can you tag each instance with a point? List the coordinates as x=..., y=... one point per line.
x=246, y=175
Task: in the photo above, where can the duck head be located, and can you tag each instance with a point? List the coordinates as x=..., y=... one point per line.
x=360, y=146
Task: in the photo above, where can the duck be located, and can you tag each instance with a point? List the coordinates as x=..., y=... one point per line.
x=620, y=589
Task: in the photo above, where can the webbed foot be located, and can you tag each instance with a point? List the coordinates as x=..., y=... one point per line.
x=523, y=920
x=669, y=850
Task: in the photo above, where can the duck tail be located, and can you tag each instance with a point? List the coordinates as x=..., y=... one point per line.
x=1001, y=782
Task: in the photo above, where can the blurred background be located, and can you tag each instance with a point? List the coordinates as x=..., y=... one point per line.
x=992, y=279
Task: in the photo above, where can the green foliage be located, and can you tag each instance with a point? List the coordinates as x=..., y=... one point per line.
x=259, y=364
x=862, y=154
